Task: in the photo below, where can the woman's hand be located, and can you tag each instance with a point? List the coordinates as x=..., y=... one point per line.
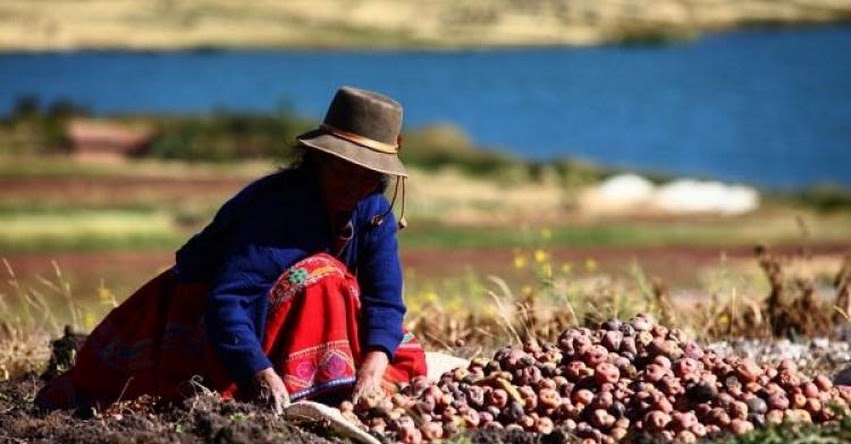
x=271, y=390
x=369, y=377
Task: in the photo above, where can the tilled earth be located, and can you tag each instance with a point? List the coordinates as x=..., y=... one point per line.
x=205, y=418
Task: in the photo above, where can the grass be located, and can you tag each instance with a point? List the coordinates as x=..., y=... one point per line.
x=717, y=232
x=28, y=228
x=86, y=230
x=792, y=433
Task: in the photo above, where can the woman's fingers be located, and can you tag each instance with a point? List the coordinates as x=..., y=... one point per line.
x=271, y=390
x=367, y=390
x=370, y=374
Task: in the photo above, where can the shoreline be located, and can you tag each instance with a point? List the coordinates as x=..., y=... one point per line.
x=659, y=40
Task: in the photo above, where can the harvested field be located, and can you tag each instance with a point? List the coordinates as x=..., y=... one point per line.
x=713, y=391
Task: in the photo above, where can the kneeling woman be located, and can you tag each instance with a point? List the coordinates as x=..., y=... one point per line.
x=293, y=291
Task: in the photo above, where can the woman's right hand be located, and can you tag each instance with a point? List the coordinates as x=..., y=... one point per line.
x=271, y=390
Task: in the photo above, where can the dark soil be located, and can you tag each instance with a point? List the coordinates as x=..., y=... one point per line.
x=204, y=418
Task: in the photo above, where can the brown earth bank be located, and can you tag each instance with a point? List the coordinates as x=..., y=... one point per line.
x=122, y=189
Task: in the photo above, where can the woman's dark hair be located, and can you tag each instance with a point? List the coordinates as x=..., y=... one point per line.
x=302, y=157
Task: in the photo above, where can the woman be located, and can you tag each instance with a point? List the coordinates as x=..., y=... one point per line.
x=293, y=291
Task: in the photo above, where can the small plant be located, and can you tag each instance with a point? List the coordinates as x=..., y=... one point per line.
x=790, y=309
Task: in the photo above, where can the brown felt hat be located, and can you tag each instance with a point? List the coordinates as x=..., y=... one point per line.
x=362, y=127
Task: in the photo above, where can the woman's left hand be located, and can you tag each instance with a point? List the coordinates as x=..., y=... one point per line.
x=369, y=377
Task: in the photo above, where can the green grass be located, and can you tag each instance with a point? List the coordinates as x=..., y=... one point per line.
x=766, y=229
x=791, y=433
x=53, y=228
x=86, y=230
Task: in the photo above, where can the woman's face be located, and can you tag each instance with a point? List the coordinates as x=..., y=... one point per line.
x=344, y=184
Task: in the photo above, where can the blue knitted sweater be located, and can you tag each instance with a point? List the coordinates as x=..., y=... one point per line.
x=266, y=228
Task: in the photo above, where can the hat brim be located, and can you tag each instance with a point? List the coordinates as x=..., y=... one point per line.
x=354, y=153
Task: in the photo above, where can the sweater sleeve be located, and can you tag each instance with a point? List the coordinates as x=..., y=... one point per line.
x=236, y=304
x=380, y=280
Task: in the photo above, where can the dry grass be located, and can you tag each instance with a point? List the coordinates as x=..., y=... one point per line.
x=456, y=198
x=791, y=307
x=787, y=307
x=32, y=314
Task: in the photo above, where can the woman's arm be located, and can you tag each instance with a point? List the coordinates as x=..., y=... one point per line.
x=380, y=280
x=382, y=307
x=236, y=307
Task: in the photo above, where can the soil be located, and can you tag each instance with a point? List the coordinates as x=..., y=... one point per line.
x=203, y=418
x=200, y=419
x=117, y=189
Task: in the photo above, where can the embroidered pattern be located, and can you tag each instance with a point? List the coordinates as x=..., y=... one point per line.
x=317, y=368
x=304, y=274
x=298, y=276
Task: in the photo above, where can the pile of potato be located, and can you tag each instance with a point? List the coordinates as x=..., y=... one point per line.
x=605, y=385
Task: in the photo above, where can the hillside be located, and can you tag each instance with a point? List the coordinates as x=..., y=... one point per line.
x=182, y=24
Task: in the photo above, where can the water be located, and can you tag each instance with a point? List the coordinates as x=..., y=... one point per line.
x=770, y=108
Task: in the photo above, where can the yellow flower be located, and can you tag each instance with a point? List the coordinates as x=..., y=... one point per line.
x=590, y=265
x=89, y=321
x=541, y=256
x=519, y=262
x=566, y=267
x=431, y=296
x=106, y=296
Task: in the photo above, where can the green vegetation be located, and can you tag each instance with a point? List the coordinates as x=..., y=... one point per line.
x=797, y=433
x=225, y=137
x=33, y=129
x=742, y=232
x=823, y=198
x=86, y=230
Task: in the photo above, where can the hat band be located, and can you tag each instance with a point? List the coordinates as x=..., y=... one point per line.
x=372, y=144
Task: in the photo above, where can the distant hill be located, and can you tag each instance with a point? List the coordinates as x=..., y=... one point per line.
x=210, y=24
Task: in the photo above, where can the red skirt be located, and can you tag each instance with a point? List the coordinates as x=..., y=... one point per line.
x=155, y=342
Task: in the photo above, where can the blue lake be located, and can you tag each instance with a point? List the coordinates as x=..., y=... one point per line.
x=768, y=107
